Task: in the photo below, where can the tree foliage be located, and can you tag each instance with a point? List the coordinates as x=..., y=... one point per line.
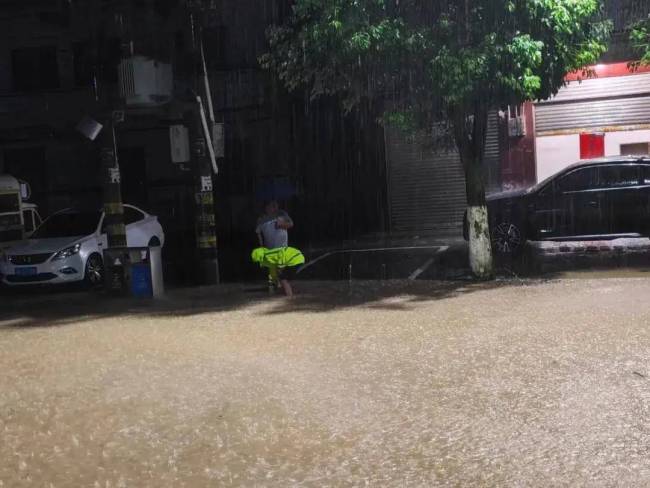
x=433, y=56
x=640, y=39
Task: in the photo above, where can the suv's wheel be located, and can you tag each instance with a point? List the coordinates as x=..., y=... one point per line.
x=507, y=239
x=154, y=242
x=94, y=272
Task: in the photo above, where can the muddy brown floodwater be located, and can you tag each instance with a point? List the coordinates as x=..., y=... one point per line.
x=393, y=384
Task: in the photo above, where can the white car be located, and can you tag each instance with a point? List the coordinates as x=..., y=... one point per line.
x=69, y=245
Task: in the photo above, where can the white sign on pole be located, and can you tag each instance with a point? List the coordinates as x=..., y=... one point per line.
x=206, y=183
x=114, y=175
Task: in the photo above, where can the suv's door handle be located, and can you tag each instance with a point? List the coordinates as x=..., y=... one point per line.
x=593, y=204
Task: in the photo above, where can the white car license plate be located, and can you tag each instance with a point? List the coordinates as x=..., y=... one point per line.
x=28, y=271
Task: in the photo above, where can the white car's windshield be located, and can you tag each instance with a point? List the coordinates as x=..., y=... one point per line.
x=68, y=224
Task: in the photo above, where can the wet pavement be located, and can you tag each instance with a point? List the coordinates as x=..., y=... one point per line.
x=448, y=260
x=396, y=383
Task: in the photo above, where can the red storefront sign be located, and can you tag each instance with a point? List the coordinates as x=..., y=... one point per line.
x=592, y=146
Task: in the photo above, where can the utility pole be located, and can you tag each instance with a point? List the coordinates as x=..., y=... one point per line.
x=203, y=161
x=113, y=208
x=205, y=220
x=105, y=134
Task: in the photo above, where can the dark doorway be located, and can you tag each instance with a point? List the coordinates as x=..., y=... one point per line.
x=133, y=167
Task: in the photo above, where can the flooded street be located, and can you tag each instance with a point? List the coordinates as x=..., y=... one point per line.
x=395, y=384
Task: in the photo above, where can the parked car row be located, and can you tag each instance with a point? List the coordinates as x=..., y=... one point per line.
x=598, y=199
x=605, y=198
x=68, y=247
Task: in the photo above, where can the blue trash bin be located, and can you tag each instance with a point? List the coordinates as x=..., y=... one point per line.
x=141, y=285
x=134, y=271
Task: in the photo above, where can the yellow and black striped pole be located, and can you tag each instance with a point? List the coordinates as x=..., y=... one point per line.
x=114, y=211
x=205, y=220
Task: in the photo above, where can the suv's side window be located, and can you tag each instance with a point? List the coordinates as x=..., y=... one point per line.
x=132, y=215
x=578, y=180
x=618, y=176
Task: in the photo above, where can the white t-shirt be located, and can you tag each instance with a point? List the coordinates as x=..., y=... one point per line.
x=272, y=236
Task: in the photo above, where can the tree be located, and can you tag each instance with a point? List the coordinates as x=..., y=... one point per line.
x=442, y=63
x=640, y=39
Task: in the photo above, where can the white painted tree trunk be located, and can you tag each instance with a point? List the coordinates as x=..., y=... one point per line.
x=480, y=247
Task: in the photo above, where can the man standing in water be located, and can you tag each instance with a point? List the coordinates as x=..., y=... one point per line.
x=272, y=233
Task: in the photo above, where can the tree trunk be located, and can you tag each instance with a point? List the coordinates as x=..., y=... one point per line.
x=470, y=129
x=480, y=246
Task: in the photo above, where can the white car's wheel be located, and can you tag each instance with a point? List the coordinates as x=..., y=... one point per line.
x=94, y=273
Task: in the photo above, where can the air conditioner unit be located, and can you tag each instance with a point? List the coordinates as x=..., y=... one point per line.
x=145, y=82
x=517, y=126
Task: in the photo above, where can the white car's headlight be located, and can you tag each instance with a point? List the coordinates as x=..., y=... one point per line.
x=67, y=252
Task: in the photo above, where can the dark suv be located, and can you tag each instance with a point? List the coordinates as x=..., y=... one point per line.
x=596, y=199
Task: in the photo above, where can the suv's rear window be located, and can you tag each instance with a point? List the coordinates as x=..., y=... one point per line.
x=618, y=176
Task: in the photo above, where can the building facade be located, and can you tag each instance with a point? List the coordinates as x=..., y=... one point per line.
x=341, y=176
x=603, y=113
x=59, y=63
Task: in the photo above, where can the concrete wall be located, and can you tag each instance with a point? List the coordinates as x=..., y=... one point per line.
x=613, y=140
x=555, y=153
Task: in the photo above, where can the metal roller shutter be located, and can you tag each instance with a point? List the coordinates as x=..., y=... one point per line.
x=427, y=188
x=597, y=114
x=596, y=104
x=638, y=84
